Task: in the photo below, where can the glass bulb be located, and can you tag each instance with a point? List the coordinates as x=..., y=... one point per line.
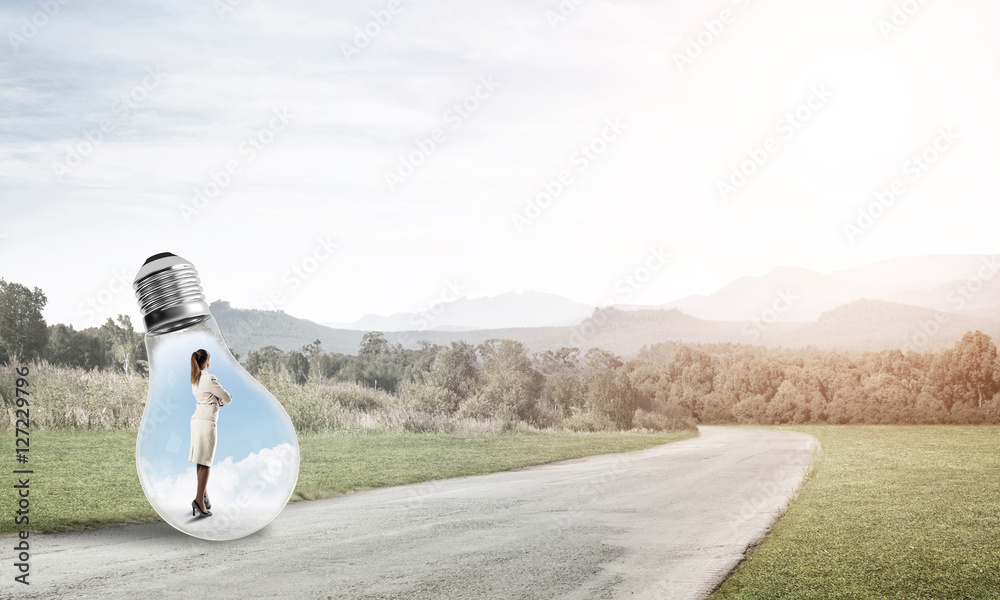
x=256, y=461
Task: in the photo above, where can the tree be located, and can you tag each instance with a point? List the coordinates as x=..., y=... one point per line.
x=23, y=333
x=564, y=386
x=751, y=409
x=748, y=377
x=567, y=393
x=598, y=359
x=373, y=346
x=931, y=409
x=60, y=348
x=692, y=375
x=380, y=364
x=512, y=386
x=974, y=360
x=651, y=381
x=312, y=350
x=886, y=400
x=330, y=365
x=810, y=407
x=126, y=345
x=610, y=393
x=456, y=369
x=71, y=348
x=787, y=406
x=270, y=357
x=558, y=362
x=423, y=358
x=298, y=366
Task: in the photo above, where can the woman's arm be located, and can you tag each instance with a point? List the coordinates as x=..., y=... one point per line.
x=218, y=391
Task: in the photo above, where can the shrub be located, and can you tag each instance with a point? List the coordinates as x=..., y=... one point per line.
x=429, y=397
x=588, y=421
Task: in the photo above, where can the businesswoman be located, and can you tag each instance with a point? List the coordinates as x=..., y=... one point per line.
x=209, y=396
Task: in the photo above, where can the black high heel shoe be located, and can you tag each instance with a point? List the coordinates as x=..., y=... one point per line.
x=197, y=509
x=208, y=504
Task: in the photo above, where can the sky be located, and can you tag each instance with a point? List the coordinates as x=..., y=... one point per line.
x=334, y=160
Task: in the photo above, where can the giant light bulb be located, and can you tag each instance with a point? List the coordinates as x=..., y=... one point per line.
x=256, y=460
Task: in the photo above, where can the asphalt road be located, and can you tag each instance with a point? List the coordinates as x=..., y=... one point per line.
x=667, y=522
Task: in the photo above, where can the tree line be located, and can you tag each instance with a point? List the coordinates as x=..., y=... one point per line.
x=757, y=385
x=668, y=385
x=495, y=379
x=25, y=337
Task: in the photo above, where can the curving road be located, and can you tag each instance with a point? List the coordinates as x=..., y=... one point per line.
x=667, y=522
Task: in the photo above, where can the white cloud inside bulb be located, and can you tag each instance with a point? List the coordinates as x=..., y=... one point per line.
x=263, y=478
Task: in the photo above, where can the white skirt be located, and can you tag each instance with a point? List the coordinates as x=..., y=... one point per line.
x=202, y=442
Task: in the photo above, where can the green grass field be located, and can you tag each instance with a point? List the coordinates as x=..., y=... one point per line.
x=87, y=479
x=907, y=512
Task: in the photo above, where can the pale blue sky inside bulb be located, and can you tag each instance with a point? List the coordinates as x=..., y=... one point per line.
x=247, y=425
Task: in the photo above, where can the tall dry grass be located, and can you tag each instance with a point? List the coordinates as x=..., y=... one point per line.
x=66, y=398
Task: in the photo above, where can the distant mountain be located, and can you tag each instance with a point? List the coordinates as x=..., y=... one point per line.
x=860, y=325
x=877, y=325
x=990, y=314
x=916, y=271
x=251, y=329
x=939, y=282
x=511, y=309
x=609, y=328
x=801, y=294
x=921, y=303
x=970, y=296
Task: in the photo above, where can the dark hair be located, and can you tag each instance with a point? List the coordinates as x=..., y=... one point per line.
x=198, y=359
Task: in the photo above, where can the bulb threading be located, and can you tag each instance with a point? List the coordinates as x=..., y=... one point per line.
x=170, y=294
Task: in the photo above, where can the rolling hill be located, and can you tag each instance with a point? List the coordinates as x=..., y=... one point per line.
x=877, y=324
x=952, y=283
x=511, y=309
x=860, y=325
x=920, y=303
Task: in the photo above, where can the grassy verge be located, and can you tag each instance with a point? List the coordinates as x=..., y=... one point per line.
x=891, y=512
x=88, y=479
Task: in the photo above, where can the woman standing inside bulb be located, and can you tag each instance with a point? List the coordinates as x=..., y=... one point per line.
x=210, y=396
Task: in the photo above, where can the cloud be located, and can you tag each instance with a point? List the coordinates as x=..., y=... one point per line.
x=223, y=75
x=260, y=482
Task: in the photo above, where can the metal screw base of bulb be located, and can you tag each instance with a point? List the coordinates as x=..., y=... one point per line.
x=170, y=294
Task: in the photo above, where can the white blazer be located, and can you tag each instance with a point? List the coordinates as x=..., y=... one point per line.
x=207, y=393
